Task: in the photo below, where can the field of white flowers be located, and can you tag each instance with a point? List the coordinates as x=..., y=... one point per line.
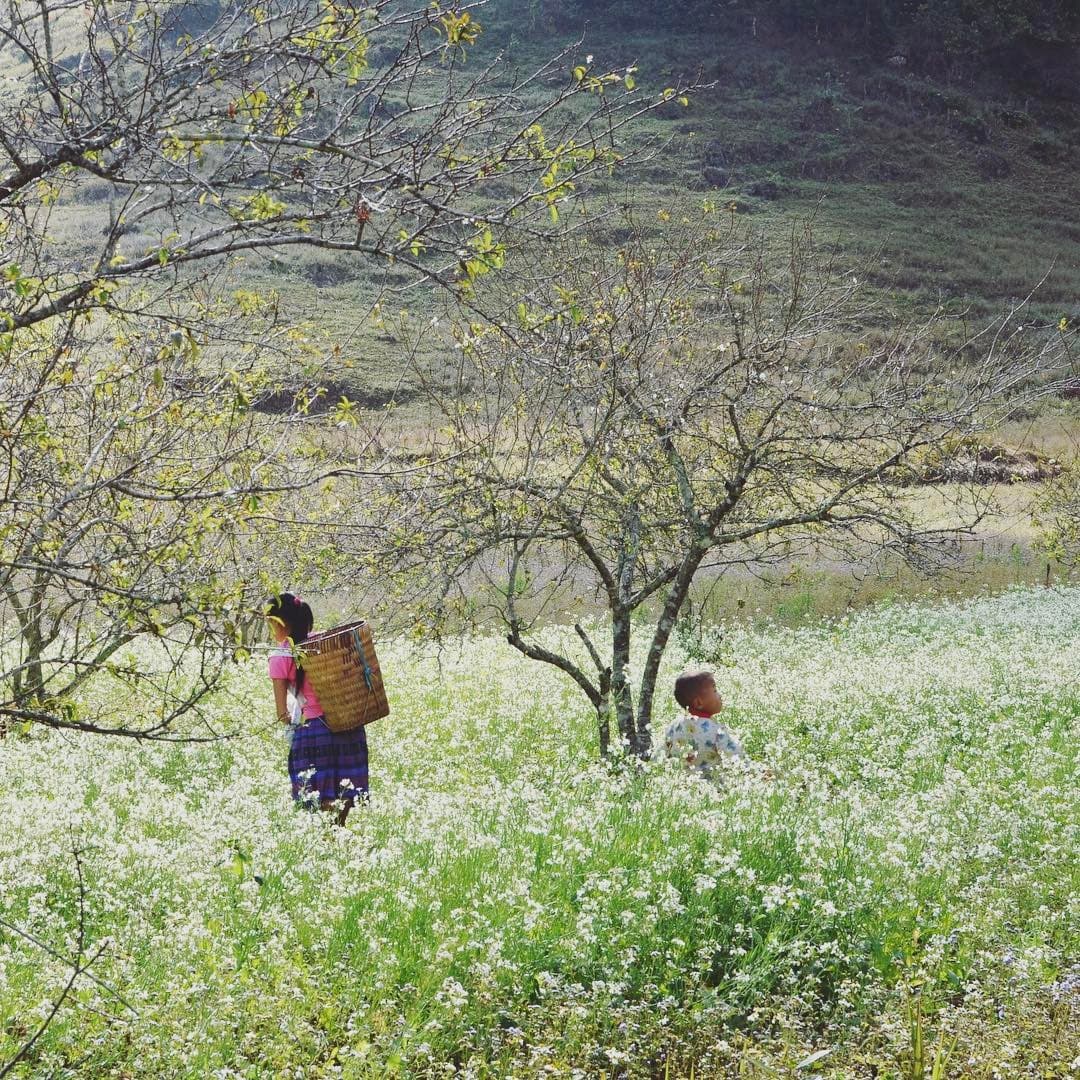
x=903, y=895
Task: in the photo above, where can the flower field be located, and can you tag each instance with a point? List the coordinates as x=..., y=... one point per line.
x=902, y=896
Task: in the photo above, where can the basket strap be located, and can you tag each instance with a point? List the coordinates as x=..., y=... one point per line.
x=363, y=659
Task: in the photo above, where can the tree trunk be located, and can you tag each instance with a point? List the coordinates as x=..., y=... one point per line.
x=27, y=682
x=603, y=724
x=620, y=679
x=647, y=691
x=676, y=597
x=33, y=688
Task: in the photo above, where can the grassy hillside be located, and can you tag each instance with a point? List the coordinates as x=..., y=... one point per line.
x=963, y=194
x=956, y=194
x=960, y=197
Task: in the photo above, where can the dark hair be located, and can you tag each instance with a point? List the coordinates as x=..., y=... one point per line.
x=298, y=620
x=690, y=684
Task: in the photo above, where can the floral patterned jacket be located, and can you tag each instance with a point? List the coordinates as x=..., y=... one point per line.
x=700, y=743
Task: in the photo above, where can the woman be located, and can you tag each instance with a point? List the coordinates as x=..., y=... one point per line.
x=329, y=767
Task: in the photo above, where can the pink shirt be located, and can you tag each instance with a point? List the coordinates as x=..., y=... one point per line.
x=283, y=666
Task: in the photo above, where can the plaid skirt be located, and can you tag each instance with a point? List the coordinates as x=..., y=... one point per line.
x=323, y=765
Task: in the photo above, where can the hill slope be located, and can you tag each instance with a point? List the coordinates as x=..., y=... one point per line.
x=967, y=186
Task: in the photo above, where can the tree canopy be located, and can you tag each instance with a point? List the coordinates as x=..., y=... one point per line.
x=677, y=405
x=144, y=151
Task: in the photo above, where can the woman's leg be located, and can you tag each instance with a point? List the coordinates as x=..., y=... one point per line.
x=342, y=808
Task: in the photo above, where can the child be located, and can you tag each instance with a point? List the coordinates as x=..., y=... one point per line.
x=332, y=768
x=696, y=739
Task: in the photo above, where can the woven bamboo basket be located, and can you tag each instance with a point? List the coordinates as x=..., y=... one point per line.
x=344, y=671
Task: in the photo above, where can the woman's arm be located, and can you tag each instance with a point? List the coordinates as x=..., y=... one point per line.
x=281, y=699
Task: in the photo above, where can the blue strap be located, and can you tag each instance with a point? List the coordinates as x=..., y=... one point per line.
x=363, y=660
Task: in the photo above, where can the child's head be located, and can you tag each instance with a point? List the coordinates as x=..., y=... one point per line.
x=289, y=617
x=695, y=689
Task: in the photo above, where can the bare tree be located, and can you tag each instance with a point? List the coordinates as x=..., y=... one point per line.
x=137, y=488
x=677, y=405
